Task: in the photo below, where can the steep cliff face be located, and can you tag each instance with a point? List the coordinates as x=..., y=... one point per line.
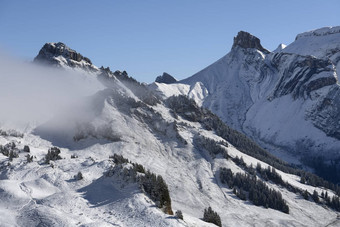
x=165, y=78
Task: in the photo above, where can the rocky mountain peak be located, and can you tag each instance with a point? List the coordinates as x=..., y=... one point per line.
x=50, y=51
x=247, y=40
x=166, y=78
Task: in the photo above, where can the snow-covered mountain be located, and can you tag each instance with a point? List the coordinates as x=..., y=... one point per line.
x=72, y=170
x=287, y=100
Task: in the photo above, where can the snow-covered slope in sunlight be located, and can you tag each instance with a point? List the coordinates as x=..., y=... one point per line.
x=196, y=92
x=323, y=42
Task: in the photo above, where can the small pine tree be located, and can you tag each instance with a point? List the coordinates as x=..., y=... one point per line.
x=303, y=180
x=305, y=195
x=79, y=176
x=29, y=158
x=315, y=196
x=26, y=148
x=179, y=215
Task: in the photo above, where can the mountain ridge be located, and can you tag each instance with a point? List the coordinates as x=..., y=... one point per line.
x=297, y=84
x=124, y=133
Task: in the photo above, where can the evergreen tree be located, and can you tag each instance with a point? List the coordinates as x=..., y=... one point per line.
x=305, y=195
x=212, y=217
x=315, y=196
x=179, y=214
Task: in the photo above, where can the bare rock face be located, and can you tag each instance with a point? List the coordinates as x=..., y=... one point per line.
x=246, y=40
x=302, y=74
x=50, y=52
x=166, y=78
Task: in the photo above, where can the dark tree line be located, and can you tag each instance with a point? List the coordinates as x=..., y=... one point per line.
x=212, y=217
x=258, y=192
x=271, y=174
x=211, y=146
x=153, y=185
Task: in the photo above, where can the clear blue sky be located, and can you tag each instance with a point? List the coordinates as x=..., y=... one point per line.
x=148, y=37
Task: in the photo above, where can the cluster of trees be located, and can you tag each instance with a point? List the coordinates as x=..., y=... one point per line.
x=11, y=132
x=52, y=155
x=258, y=192
x=270, y=173
x=9, y=150
x=211, y=146
x=153, y=185
x=187, y=108
x=332, y=202
x=211, y=216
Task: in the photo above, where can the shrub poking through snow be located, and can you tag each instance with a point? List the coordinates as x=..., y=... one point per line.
x=52, y=155
x=27, y=149
x=29, y=158
x=79, y=176
x=179, y=214
x=212, y=217
x=74, y=156
x=12, y=154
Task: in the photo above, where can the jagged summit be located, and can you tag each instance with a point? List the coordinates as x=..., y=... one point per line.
x=247, y=40
x=59, y=54
x=166, y=78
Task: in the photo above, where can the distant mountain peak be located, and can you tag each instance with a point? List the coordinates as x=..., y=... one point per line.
x=59, y=54
x=280, y=48
x=247, y=40
x=166, y=78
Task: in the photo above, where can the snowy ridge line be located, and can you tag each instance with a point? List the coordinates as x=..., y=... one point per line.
x=319, y=32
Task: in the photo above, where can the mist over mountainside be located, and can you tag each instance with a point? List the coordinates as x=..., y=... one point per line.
x=286, y=100
x=120, y=154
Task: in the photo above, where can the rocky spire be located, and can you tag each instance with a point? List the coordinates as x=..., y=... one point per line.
x=246, y=40
x=166, y=78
